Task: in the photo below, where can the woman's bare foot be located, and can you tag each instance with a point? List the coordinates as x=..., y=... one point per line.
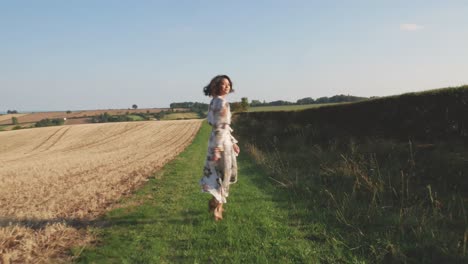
x=218, y=212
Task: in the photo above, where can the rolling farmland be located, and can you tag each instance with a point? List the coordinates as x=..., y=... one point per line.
x=36, y=116
x=57, y=175
x=6, y=119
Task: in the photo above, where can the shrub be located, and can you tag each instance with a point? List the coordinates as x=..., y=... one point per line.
x=49, y=122
x=236, y=107
x=245, y=103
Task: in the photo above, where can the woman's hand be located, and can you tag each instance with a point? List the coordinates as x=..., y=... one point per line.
x=236, y=149
x=217, y=154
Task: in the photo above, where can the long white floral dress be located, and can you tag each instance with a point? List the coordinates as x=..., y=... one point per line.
x=218, y=175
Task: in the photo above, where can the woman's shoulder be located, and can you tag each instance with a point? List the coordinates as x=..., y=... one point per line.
x=218, y=101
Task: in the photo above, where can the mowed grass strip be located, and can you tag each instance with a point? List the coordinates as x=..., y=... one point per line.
x=168, y=221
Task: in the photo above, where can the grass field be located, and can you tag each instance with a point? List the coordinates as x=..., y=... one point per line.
x=181, y=115
x=135, y=117
x=168, y=222
x=286, y=107
x=55, y=179
x=389, y=201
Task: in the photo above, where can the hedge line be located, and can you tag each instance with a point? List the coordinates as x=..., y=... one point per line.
x=432, y=115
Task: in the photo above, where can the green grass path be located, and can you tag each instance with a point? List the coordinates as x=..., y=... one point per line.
x=167, y=221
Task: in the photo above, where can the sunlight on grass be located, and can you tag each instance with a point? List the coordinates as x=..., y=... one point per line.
x=171, y=224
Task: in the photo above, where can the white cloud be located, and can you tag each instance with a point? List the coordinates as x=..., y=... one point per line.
x=410, y=27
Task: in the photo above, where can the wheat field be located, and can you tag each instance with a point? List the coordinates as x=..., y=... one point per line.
x=37, y=116
x=55, y=177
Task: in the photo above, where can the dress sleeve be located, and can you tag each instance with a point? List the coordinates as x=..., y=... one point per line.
x=220, y=110
x=234, y=140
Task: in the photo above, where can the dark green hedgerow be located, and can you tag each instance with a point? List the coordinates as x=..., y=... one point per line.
x=433, y=115
x=398, y=195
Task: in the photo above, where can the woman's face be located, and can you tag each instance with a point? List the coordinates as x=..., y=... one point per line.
x=225, y=87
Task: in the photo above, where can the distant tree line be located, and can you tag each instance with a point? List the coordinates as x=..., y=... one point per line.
x=106, y=117
x=190, y=105
x=309, y=100
x=241, y=106
x=12, y=112
x=50, y=122
x=199, y=108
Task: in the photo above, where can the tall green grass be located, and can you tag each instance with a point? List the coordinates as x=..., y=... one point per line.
x=390, y=202
x=390, y=174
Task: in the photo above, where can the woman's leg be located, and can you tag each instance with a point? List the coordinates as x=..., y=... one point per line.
x=216, y=208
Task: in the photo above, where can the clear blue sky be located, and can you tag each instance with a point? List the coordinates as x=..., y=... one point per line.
x=60, y=55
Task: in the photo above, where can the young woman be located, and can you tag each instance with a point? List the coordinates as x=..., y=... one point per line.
x=221, y=165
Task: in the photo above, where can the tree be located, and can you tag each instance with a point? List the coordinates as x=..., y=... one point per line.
x=244, y=103
x=306, y=100
x=134, y=106
x=255, y=103
x=236, y=107
x=14, y=120
x=280, y=102
x=322, y=100
x=50, y=122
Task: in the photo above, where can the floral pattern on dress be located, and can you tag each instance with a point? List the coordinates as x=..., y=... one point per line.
x=218, y=175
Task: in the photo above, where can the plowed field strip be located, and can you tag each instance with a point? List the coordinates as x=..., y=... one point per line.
x=188, y=133
x=47, y=139
x=37, y=151
x=97, y=143
x=58, y=139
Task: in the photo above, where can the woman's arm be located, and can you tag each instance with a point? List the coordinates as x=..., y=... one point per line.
x=219, y=109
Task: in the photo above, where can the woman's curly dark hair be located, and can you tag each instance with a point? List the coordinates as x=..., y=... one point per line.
x=214, y=87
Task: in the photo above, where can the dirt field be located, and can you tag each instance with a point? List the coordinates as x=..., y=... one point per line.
x=54, y=180
x=6, y=119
